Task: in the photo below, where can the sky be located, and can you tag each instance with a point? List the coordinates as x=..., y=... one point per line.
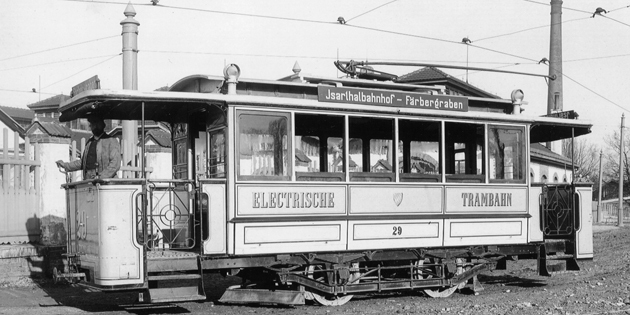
x=52, y=45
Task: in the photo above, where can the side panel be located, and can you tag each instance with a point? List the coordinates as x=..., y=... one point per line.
x=120, y=256
x=216, y=242
x=460, y=232
x=268, y=219
x=485, y=215
x=401, y=210
x=290, y=200
x=290, y=237
x=584, y=237
x=535, y=231
x=401, y=233
x=395, y=199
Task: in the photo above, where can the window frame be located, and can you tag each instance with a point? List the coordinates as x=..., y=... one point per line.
x=237, y=156
x=524, y=165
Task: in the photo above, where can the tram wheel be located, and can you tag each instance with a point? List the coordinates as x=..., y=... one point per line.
x=331, y=300
x=434, y=271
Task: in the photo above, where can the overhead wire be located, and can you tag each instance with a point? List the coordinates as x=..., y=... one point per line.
x=306, y=57
x=60, y=47
x=364, y=13
x=374, y=29
x=24, y=91
x=547, y=4
x=92, y=66
x=528, y=29
x=56, y=62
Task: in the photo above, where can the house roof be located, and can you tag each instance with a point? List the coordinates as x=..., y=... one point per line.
x=50, y=128
x=299, y=154
x=18, y=113
x=161, y=137
x=49, y=102
x=541, y=152
x=433, y=76
x=7, y=120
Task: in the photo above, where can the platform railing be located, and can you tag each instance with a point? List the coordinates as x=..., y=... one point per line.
x=169, y=221
x=558, y=211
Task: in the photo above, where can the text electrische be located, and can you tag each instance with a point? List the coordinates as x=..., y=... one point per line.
x=293, y=200
x=381, y=98
x=487, y=199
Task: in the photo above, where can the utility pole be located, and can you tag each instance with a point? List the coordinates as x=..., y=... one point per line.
x=620, y=212
x=599, y=195
x=130, y=82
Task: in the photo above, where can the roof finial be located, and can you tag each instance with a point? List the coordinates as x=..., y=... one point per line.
x=296, y=68
x=129, y=10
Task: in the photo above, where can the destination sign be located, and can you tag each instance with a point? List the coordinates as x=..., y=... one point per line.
x=571, y=114
x=93, y=83
x=391, y=98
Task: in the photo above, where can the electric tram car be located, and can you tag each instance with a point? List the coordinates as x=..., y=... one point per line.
x=313, y=188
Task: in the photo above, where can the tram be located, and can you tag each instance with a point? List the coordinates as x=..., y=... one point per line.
x=312, y=188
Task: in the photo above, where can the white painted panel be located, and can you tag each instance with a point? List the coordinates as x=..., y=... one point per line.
x=585, y=233
x=291, y=234
x=458, y=232
x=290, y=237
x=216, y=242
x=395, y=199
x=394, y=234
x=394, y=230
x=486, y=199
x=120, y=259
x=535, y=232
x=290, y=200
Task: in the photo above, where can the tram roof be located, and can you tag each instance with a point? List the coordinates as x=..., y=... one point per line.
x=176, y=106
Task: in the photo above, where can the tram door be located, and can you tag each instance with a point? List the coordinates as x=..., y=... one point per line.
x=213, y=191
x=566, y=215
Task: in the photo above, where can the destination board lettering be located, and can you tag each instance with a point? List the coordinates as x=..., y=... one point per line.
x=391, y=98
x=294, y=200
x=487, y=199
x=571, y=114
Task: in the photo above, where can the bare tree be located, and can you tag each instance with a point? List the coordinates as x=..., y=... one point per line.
x=611, y=157
x=585, y=156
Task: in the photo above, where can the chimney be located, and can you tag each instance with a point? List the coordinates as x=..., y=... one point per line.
x=554, y=94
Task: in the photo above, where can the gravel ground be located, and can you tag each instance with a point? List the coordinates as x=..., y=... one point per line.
x=601, y=287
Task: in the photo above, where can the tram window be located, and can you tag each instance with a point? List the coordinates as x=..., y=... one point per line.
x=506, y=150
x=371, y=149
x=464, y=150
x=319, y=147
x=216, y=165
x=419, y=150
x=263, y=146
x=201, y=162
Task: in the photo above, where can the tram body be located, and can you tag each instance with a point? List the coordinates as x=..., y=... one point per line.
x=315, y=187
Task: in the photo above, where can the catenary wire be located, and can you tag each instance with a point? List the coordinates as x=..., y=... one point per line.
x=60, y=47
x=309, y=57
x=55, y=62
x=364, y=13
x=92, y=66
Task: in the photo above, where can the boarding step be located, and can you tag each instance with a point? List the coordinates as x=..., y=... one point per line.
x=175, y=294
x=563, y=262
x=166, y=287
x=173, y=277
x=239, y=295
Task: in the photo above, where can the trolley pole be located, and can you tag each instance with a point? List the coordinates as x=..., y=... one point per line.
x=130, y=82
x=620, y=212
x=599, y=191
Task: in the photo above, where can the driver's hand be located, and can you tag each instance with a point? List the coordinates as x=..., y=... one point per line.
x=60, y=166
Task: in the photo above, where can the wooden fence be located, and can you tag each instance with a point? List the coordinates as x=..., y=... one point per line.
x=610, y=211
x=20, y=190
